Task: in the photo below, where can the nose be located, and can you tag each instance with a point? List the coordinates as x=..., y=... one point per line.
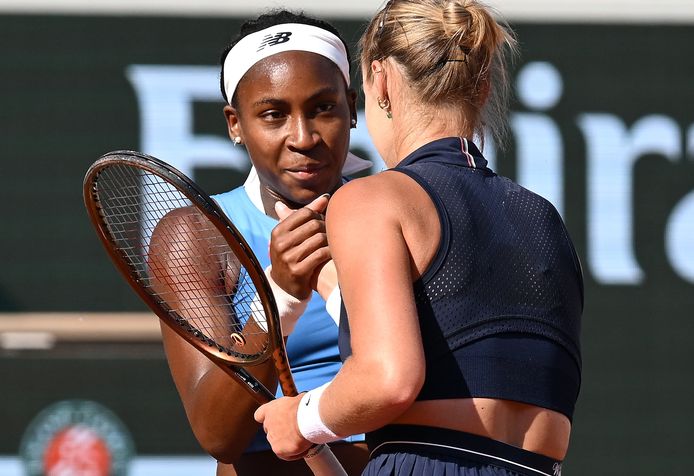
x=302, y=134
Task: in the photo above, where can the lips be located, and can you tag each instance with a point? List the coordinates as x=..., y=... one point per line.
x=305, y=172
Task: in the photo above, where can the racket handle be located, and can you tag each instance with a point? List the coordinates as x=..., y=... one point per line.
x=322, y=462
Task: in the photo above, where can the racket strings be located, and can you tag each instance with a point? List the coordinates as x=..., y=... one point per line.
x=182, y=260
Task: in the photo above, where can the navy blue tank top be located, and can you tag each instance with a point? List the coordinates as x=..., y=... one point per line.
x=500, y=305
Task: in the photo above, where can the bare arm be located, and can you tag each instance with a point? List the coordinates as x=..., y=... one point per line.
x=218, y=409
x=370, y=231
x=375, y=267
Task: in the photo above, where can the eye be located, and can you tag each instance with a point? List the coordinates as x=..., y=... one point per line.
x=325, y=107
x=272, y=115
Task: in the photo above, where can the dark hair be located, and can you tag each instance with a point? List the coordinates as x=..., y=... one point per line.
x=272, y=18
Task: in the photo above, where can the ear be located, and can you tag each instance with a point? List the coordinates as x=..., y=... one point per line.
x=233, y=125
x=380, y=81
x=352, y=101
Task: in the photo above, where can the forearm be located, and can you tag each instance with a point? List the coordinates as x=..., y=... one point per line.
x=219, y=410
x=363, y=397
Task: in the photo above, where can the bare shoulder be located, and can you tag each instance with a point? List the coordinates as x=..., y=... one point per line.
x=383, y=194
x=389, y=208
x=183, y=224
x=188, y=217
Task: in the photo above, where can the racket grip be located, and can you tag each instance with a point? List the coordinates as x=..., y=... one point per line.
x=322, y=462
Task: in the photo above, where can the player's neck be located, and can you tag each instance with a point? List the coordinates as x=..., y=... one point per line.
x=414, y=133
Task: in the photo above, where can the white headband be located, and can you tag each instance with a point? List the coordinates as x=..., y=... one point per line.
x=278, y=39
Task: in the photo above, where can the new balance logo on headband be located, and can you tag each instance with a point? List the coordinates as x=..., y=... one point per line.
x=276, y=39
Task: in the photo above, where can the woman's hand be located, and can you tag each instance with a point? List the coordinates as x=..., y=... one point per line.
x=278, y=418
x=299, y=247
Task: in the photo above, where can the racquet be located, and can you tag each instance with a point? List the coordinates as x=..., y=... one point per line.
x=193, y=268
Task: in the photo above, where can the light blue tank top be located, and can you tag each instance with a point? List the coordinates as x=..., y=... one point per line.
x=312, y=346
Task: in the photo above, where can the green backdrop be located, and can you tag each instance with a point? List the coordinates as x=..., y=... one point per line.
x=602, y=122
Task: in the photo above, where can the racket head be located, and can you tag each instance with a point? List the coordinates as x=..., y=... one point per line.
x=137, y=204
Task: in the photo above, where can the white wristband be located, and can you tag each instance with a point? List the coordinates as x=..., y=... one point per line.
x=309, y=421
x=290, y=308
x=333, y=305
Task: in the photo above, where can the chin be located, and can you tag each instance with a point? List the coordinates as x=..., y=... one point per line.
x=318, y=187
x=305, y=191
x=299, y=198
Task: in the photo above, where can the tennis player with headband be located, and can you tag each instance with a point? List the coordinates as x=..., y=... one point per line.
x=461, y=335
x=286, y=80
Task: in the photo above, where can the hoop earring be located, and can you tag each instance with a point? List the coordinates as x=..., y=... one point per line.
x=385, y=105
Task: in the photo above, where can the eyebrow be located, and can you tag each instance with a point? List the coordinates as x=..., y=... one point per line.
x=265, y=101
x=328, y=90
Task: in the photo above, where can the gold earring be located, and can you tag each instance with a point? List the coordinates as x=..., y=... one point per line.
x=385, y=105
